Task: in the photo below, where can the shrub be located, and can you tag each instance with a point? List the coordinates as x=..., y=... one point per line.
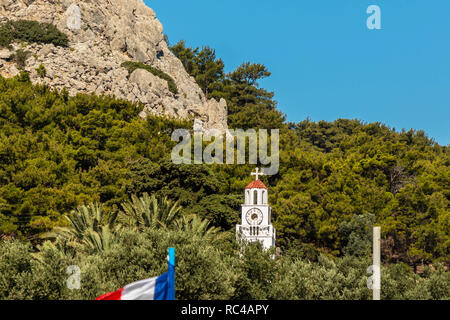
x=204, y=271
x=24, y=76
x=41, y=71
x=32, y=32
x=6, y=36
x=20, y=57
x=132, y=66
x=14, y=265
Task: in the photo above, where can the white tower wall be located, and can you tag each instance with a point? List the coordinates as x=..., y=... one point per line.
x=260, y=229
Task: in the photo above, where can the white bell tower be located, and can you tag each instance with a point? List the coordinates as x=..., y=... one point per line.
x=256, y=224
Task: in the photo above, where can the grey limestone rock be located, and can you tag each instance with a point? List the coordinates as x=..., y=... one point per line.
x=111, y=32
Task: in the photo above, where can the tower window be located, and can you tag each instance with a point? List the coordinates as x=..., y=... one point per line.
x=255, y=197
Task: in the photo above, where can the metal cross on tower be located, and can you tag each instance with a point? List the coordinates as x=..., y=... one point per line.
x=257, y=173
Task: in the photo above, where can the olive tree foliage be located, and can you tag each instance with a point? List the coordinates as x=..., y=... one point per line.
x=203, y=271
x=24, y=276
x=257, y=270
x=327, y=279
x=399, y=283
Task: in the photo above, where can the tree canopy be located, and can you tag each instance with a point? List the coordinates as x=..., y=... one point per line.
x=59, y=155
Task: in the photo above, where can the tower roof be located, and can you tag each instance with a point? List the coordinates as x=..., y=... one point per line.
x=257, y=184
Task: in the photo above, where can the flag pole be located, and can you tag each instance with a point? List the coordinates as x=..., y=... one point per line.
x=171, y=272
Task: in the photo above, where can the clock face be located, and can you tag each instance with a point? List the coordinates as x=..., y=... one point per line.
x=254, y=216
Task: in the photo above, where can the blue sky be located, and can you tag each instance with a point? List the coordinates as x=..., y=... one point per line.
x=325, y=63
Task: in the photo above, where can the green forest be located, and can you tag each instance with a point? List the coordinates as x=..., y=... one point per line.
x=85, y=181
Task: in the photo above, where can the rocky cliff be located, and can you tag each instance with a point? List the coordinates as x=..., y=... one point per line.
x=102, y=35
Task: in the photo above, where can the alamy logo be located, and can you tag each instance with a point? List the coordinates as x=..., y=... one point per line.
x=74, y=281
x=374, y=20
x=235, y=144
x=74, y=17
x=373, y=282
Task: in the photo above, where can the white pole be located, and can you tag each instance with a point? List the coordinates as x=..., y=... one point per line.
x=376, y=264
